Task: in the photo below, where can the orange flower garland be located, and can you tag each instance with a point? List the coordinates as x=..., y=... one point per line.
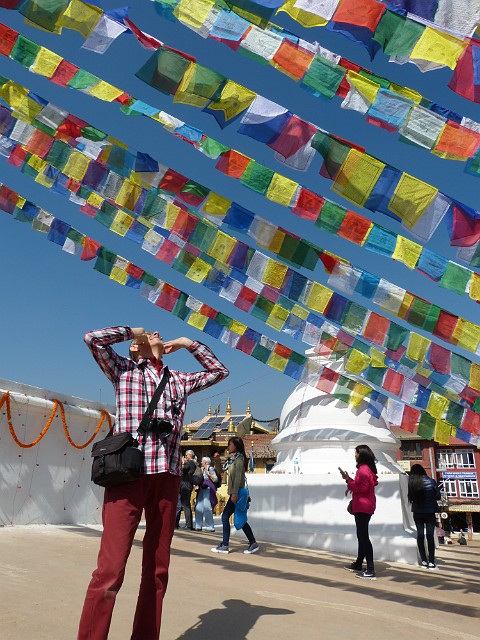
x=56, y=404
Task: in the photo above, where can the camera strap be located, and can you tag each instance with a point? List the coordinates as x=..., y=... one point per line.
x=152, y=405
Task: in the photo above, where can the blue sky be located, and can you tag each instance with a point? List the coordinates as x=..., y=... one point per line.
x=50, y=299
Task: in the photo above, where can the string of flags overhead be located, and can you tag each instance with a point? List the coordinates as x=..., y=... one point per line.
x=463, y=222
x=438, y=419
x=438, y=33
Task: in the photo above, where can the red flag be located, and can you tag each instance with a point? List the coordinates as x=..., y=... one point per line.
x=147, y=41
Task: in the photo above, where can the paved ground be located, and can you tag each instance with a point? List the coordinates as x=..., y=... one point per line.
x=281, y=593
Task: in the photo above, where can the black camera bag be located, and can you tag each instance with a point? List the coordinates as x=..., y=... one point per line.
x=117, y=458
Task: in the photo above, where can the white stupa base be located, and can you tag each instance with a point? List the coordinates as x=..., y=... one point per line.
x=310, y=511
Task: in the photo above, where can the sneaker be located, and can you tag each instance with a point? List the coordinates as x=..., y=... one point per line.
x=222, y=548
x=432, y=565
x=366, y=575
x=253, y=548
x=424, y=564
x=353, y=567
x=209, y=530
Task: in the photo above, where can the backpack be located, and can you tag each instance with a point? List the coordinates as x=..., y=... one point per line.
x=218, y=472
x=197, y=476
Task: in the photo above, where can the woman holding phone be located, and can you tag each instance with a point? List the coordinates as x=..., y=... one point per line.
x=362, y=488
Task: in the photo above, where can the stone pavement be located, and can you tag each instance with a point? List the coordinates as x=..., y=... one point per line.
x=281, y=592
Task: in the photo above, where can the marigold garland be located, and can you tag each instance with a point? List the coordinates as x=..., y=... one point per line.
x=56, y=405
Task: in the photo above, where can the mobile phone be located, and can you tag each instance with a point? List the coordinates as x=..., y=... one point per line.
x=341, y=470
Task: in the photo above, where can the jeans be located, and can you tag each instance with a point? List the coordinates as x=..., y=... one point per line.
x=425, y=521
x=227, y=512
x=203, y=510
x=365, y=549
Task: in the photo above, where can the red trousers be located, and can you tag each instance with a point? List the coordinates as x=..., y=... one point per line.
x=122, y=510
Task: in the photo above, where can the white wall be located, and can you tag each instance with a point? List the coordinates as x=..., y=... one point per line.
x=48, y=483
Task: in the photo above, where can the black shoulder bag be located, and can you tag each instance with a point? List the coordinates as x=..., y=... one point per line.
x=117, y=458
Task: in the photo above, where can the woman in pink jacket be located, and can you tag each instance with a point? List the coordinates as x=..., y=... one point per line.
x=363, y=507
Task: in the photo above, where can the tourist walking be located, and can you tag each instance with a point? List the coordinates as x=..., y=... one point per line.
x=423, y=494
x=362, y=488
x=236, y=466
x=135, y=380
x=206, y=498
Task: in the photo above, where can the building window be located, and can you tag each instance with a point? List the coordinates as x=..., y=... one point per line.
x=468, y=488
x=446, y=459
x=465, y=459
x=411, y=450
x=449, y=487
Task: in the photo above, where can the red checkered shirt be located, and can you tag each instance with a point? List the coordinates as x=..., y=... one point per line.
x=161, y=455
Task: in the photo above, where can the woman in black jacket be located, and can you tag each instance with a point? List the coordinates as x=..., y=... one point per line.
x=423, y=494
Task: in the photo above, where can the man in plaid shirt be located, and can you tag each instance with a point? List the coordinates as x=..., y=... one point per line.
x=156, y=490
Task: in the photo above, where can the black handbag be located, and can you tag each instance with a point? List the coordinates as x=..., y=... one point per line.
x=117, y=459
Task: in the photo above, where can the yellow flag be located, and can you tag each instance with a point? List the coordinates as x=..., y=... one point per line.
x=46, y=63
x=407, y=251
x=359, y=393
x=274, y=273
x=277, y=241
x=27, y=110
x=198, y=271
x=37, y=163
x=436, y=46
x=95, y=200
x=193, y=14
x=233, y=99
x=13, y=93
x=410, y=199
x=305, y=18
x=197, y=320
x=221, y=247
x=81, y=17
x=443, y=431
x=366, y=86
x=357, y=176
x=417, y=347
x=319, y=297
x=277, y=318
x=76, y=166
x=119, y=275
x=467, y=334
x=281, y=189
x=410, y=94
x=171, y=215
x=357, y=361
x=437, y=405
x=475, y=376
x=238, y=327
x=128, y=195
x=300, y=312
x=216, y=205
x=186, y=96
x=378, y=358
x=44, y=180
x=406, y=304
x=474, y=291
x=277, y=362
x=105, y=91
x=121, y=223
